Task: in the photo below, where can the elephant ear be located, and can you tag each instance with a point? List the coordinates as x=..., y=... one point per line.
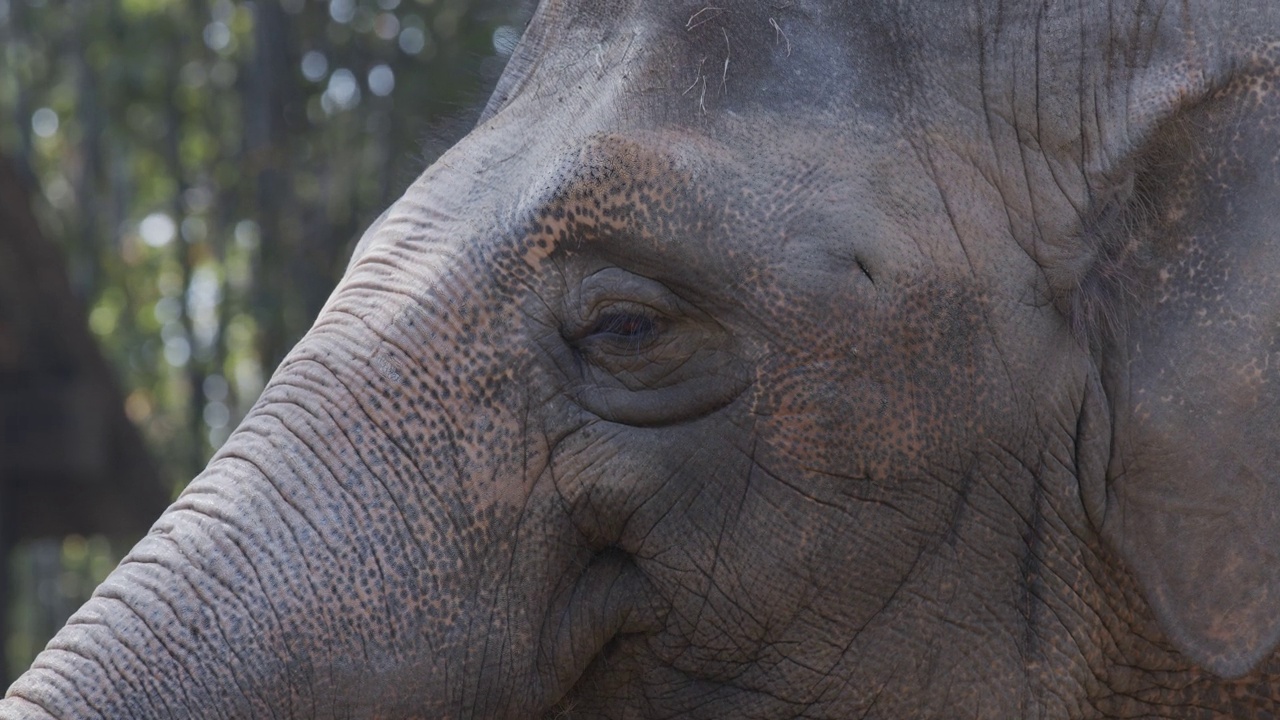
x=1192, y=367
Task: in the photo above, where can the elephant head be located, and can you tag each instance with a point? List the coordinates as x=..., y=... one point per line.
x=794, y=359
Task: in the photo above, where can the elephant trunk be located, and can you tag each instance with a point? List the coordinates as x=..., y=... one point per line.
x=211, y=615
x=346, y=556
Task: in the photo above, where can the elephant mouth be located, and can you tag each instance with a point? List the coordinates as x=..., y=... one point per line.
x=609, y=616
x=604, y=675
x=607, y=674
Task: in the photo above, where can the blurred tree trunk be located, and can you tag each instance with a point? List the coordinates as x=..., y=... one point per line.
x=7, y=542
x=266, y=140
x=85, y=179
x=21, y=103
x=70, y=462
x=184, y=246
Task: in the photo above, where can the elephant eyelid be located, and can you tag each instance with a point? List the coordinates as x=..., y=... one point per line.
x=619, y=331
x=617, y=314
x=625, y=324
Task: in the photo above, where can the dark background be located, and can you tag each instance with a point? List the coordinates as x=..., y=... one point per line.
x=181, y=182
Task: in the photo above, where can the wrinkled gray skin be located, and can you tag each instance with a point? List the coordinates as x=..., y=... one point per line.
x=815, y=358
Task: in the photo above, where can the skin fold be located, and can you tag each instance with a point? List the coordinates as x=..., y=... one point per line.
x=808, y=359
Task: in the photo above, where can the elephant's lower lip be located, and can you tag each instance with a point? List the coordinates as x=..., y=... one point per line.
x=604, y=672
x=609, y=609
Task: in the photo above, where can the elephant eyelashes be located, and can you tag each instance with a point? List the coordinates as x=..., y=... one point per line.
x=621, y=332
x=630, y=326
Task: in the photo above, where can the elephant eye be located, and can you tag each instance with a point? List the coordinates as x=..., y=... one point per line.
x=618, y=332
x=624, y=326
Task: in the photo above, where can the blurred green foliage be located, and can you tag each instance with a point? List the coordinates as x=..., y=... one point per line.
x=206, y=166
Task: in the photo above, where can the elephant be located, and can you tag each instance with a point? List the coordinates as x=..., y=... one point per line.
x=786, y=359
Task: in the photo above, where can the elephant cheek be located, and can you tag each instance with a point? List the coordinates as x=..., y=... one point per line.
x=895, y=392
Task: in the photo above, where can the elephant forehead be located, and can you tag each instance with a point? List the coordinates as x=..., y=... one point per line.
x=700, y=59
x=747, y=203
